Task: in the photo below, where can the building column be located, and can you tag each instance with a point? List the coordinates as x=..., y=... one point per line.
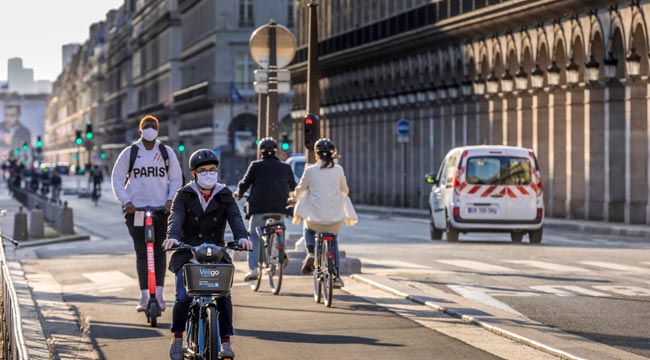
x=575, y=167
x=637, y=152
x=615, y=153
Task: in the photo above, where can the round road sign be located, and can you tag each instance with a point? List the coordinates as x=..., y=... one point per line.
x=285, y=44
x=403, y=127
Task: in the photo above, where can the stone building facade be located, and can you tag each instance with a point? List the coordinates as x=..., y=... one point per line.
x=568, y=79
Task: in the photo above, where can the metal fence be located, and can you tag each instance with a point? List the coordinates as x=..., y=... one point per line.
x=13, y=341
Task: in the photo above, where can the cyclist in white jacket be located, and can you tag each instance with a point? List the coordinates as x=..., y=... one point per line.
x=147, y=174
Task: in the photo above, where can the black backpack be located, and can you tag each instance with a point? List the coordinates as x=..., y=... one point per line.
x=134, y=155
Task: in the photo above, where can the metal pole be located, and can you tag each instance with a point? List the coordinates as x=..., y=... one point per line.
x=272, y=106
x=313, y=89
x=261, y=117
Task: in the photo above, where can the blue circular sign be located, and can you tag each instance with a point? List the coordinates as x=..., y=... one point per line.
x=403, y=127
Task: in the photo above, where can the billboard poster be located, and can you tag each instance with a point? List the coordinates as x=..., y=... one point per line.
x=20, y=122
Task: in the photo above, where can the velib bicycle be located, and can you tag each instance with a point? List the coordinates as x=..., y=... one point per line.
x=152, y=311
x=205, y=282
x=273, y=258
x=326, y=268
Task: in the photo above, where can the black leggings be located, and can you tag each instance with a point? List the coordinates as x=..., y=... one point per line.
x=140, y=246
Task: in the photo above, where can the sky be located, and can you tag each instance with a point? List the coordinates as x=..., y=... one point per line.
x=34, y=30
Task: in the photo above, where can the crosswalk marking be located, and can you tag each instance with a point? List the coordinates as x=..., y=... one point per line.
x=548, y=265
x=397, y=266
x=477, y=265
x=109, y=277
x=614, y=266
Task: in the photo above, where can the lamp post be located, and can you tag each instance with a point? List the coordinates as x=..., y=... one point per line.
x=521, y=79
x=313, y=76
x=537, y=77
x=593, y=69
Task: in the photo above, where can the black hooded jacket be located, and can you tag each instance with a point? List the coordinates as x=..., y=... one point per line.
x=270, y=181
x=193, y=226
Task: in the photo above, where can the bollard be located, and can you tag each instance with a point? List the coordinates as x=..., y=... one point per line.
x=20, y=225
x=36, y=224
x=65, y=224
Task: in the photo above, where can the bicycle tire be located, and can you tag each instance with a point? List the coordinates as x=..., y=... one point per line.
x=193, y=333
x=327, y=277
x=211, y=334
x=275, y=267
x=318, y=285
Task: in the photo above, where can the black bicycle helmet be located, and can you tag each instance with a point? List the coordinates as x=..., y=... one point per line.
x=325, y=148
x=203, y=157
x=268, y=146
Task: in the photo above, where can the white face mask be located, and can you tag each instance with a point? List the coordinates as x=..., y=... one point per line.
x=207, y=180
x=149, y=134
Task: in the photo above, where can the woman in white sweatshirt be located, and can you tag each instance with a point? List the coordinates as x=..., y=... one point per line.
x=320, y=197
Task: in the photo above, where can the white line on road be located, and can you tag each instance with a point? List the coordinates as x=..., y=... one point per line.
x=568, y=290
x=614, y=266
x=477, y=265
x=548, y=265
x=479, y=294
x=109, y=277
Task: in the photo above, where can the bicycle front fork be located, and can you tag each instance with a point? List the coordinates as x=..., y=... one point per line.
x=330, y=252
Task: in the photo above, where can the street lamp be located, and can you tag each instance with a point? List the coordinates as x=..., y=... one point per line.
x=573, y=72
x=593, y=69
x=466, y=87
x=492, y=84
x=553, y=74
x=521, y=79
x=507, y=82
x=537, y=77
x=610, y=66
x=452, y=91
x=633, y=62
x=442, y=92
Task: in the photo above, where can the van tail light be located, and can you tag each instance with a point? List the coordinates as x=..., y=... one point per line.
x=540, y=213
x=455, y=184
x=456, y=212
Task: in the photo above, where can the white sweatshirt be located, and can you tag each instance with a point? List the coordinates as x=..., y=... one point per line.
x=149, y=184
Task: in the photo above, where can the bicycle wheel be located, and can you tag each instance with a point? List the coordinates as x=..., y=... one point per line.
x=274, y=267
x=192, y=327
x=255, y=284
x=211, y=333
x=327, y=277
x=318, y=285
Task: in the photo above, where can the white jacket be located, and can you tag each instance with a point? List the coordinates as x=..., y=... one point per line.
x=322, y=195
x=149, y=184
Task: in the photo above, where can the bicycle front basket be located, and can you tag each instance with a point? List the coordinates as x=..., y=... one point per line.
x=202, y=279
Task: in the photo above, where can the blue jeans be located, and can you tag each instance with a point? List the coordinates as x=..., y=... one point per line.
x=256, y=221
x=182, y=306
x=310, y=239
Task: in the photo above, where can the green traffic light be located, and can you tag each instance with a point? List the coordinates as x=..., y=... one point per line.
x=103, y=155
x=79, y=141
x=39, y=144
x=89, y=136
x=17, y=151
x=181, y=148
x=285, y=146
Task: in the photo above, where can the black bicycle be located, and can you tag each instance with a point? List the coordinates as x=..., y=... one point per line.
x=326, y=268
x=273, y=258
x=205, y=283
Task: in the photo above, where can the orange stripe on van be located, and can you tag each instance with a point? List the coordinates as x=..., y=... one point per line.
x=489, y=190
x=474, y=189
x=510, y=192
x=522, y=190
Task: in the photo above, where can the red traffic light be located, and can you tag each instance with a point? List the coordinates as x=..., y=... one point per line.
x=308, y=121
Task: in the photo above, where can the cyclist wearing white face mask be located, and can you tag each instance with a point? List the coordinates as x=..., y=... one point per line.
x=147, y=174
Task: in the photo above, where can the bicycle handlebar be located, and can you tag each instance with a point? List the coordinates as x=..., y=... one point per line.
x=151, y=208
x=181, y=246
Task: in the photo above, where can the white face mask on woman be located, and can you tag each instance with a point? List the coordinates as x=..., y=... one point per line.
x=207, y=180
x=149, y=134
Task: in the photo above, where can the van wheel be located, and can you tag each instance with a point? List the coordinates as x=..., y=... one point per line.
x=535, y=236
x=516, y=237
x=435, y=233
x=452, y=234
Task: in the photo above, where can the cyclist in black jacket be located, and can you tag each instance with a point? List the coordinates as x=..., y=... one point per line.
x=270, y=181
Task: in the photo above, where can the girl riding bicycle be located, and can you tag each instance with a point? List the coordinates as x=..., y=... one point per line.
x=321, y=201
x=199, y=213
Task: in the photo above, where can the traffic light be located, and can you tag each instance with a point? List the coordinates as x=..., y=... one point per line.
x=181, y=147
x=25, y=146
x=284, y=143
x=39, y=142
x=17, y=151
x=311, y=131
x=89, y=131
x=78, y=139
x=102, y=155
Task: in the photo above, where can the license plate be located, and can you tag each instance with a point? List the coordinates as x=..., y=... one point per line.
x=482, y=210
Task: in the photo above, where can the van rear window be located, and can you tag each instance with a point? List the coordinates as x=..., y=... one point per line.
x=498, y=170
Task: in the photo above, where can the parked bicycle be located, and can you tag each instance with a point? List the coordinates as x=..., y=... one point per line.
x=326, y=267
x=205, y=282
x=273, y=259
x=153, y=309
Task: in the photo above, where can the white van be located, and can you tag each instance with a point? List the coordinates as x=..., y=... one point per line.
x=487, y=189
x=297, y=163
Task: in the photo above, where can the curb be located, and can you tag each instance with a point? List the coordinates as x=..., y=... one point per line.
x=62, y=239
x=469, y=319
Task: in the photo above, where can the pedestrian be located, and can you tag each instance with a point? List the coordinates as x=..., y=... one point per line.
x=270, y=182
x=199, y=215
x=322, y=202
x=147, y=174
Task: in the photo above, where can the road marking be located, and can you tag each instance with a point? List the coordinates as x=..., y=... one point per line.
x=479, y=294
x=614, y=266
x=109, y=277
x=477, y=265
x=396, y=266
x=568, y=290
x=548, y=265
x=625, y=290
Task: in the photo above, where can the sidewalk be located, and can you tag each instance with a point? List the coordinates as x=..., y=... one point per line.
x=595, y=227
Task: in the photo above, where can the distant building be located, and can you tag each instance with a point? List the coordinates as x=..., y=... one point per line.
x=21, y=80
x=67, y=52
